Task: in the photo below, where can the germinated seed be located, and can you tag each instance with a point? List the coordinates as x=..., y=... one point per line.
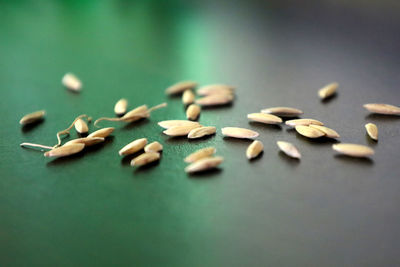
x=104, y=132
x=65, y=150
x=87, y=141
x=81, y=126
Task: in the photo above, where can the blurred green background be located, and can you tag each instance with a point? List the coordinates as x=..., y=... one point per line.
x=93, y=209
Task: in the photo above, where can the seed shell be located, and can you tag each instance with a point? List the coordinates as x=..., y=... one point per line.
x=199, y=154
x=180, y=87
x=309, y=131
x=180, y=130
x=204, y=164
x=173, y=123
x=283, y=111
x=65, y=150
x=264, y=118
x=201, y=131
x=145, y=158
x=372, y=131
x=71, y=82
x=254, y=149
x=353, y=150
x=32, y=117
x=87, y=141
x=328, y=131
x=193, y=112
x=81, y=126
x=215, y=100
x=104, y=132
x=188, y=97
x=384, y=109
x=121, y=107
x=133, y=147
x=153, y=147
x=237, y=132
x=289, y=149
x=328, y=90
x=305, y=122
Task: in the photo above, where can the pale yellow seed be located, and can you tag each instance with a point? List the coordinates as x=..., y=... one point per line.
x=173, y=123
x=133, y=147
x=65, y=150
x=305, y=122
x=353, y=150
x=87, y=141
x=121, y=107
x=199, y=154
x=204, y=164
x=180, y=87
x=32, y=117
x=188, y=97
x=264, y=118
x=384, y=109
x=201, y=131
x=71, y=82
x=254, y=149
x=180, y=130
x=237, y=132
x=283, y=111
x=104, y=132
x=136, y=114
x=215, y=89
x=215, y=100
x=372, y=130
x=145, y=158
x=309, y=131
x=289, y=149
x=328, y=131
x=193, y=112
x=81, y=126
x=153, y=147
x=328, y=90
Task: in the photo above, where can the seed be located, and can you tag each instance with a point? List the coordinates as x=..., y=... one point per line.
x=309, y=131
x=283, y=111
x=81, y=126
x=215, y=100
x=264, y=118
x=215, y=89
x=254, y=149
x=153, y=147
x=172, y=123
x=145, y=158
x=180, y=87
x=180, y=130
x=383, y=109
x=32, y=117
x=201, y=131
x=65, y=150
x=71, y=82
x=188, y=97
x=87, y=141
x=102, y=132
x=193, y=112
x=133, y=147
x=353, y=150
x=239, y=132
x=305, y=122
x=204, y=164
x=199, y=154
x=372, y=130
x=327, y=131
x=328, y=90
x=121, y=106
x=289, y=149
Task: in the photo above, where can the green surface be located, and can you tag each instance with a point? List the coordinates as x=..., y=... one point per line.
x=93, y=209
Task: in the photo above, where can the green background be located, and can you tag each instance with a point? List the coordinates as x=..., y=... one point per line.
x=93, y=209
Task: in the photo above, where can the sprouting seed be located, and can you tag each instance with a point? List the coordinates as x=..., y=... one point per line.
x=87, y=141
x=81, y=126
x=32, y=117
x=104, y=132
x=65, y=150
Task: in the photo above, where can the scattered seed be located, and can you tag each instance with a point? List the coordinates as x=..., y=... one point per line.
x=372, y=131
x=305, y=122
x=102, y=132
x=87, y=141
x=145, y=158
x=201, y=131
x=328, y=131
x=173, y=123
x=133, y=147
x=81, y=126
x=180, y=87
x=382, y=109
x=239, y=132
x=328, y=90
x=65, y=150
x=180, y=130
x=215, y=100
x=193, y=112
x=188, y=97
x=264, y=118
x=153, y=147
x=32, y=117
x=199, y=154
x=254, y=149
x=353, y=150
x=66, y=131
x=215, y=89
x=283, y=111
x=121, y=107
x=309, y=131
x=204, y=164
x=71, y=82
x=289, y=149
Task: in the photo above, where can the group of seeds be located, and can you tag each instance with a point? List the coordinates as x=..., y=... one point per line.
x=210, y=95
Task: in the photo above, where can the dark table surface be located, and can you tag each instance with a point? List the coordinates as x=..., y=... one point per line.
x=93, y=209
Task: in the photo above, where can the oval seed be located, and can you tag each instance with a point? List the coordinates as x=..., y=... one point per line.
x=215, y=100
x=81, y=126
x=283, y=111
x=71, y=82
x=87, y=141
x=328, y=131
x=372, y=131
x=201, y=131
x=289, y=149
x=204, y=164
x=180, y=130
x=215, y=89
x=172, y=123
x=145, y=158
x=353, y=150
x=65, y=150
x=32, y=117
x=264, y=118
x=237, y=132
x=180, y=87
x=121, y=107
x=328, y=90
x=305, y=122
x=133, y=147
x=104, y=132
x=199, y=154
x=188, y=97
x=384, y=109
x=254, y=149
x=153, y=147
x=309, y=131
x=193, y=112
